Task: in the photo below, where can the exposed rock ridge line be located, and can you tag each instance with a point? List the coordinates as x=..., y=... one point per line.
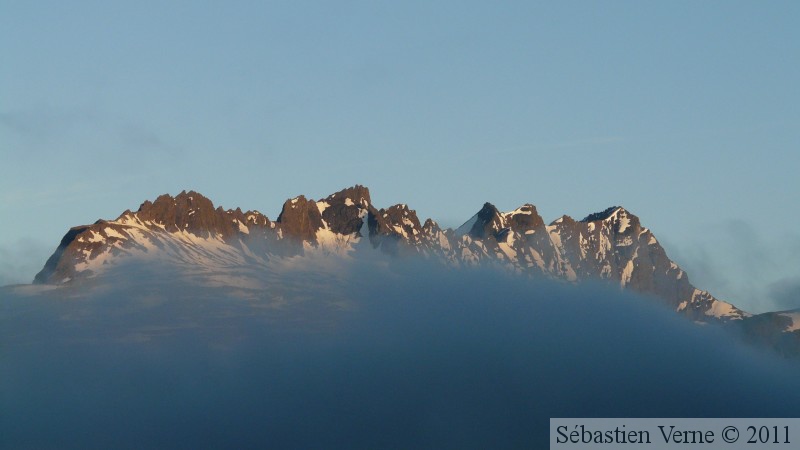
x=189, y=231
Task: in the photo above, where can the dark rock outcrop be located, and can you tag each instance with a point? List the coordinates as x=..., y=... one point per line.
x=300, y=219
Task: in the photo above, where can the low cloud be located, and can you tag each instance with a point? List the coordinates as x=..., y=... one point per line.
x=357, y=354
x=739, y=265
x=21, y=260
x=785, y=293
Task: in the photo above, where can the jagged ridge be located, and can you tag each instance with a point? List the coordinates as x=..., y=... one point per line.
x=189, y=231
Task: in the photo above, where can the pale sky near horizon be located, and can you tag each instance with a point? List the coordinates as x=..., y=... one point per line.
x=684, y=112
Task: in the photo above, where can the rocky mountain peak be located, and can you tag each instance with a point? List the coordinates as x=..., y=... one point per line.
x=485, y=223
x=488, y=212
x=355, y=195
x=56, y=259
x=564, y=220
x=524, y=218
x=602, y=215
x=300, y=219
x=616, y=218
x=189, y=211
x=402, y=221
x=345, y=212
x=431, y=226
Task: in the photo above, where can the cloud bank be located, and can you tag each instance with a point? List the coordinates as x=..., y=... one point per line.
x=365, y=354
x=735, y=262
x=21, y=260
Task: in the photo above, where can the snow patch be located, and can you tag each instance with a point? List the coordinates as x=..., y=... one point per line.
x=626, y=241
x=242, y=227
x=555, y=238
x=537, y=258
x=510, y=253
x=624, y=223
x=627, y=272
x=526, y=210
x=110, y=232
x=584, y=244
x=95, y=237
x=334, y=243
x=443, y=242
x=721, y=309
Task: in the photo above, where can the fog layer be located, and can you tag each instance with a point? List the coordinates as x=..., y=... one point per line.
x=367, y=354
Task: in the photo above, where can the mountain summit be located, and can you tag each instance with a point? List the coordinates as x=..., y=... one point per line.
x=190, y=234
x=189, y=231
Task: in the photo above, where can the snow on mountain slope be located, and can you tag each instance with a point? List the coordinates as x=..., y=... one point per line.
x=218, y=246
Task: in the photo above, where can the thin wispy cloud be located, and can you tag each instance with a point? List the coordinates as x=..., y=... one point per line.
x=20, y=259
x=785, y=293
x=738, y=263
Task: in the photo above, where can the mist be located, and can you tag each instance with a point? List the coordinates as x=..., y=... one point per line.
x=737, y=263
x=366, y=353
x=20, y=260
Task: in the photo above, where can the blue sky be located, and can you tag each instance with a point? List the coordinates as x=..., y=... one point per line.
x=686, y=113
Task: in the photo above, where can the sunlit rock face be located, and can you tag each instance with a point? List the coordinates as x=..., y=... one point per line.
x=189, y=232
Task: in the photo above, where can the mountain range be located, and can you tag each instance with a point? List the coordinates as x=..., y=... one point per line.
x=219, y=247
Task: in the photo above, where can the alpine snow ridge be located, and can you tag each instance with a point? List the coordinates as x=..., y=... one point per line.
x=245, y=250
x=189, y=232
